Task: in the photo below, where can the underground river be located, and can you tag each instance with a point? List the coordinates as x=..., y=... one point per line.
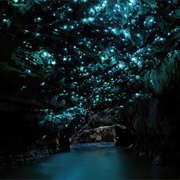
x=95, y=161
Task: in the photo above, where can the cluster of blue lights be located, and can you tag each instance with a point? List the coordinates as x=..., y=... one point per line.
x=98, y=48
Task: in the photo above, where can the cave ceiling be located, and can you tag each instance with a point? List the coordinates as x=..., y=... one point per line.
x=82, y=54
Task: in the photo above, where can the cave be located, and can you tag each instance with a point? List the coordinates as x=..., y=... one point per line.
x=97, y=80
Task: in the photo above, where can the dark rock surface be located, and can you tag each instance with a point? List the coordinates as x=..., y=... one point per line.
x=99, y=134
x=116, y=133
x=26, y=141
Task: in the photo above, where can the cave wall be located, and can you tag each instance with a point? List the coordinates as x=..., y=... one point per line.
x=26, y=138
x=157, y=131
x=154, y=120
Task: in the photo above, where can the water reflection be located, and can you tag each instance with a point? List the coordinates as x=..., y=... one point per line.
x=97, y=161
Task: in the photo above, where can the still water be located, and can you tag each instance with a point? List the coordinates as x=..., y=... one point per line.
x=95, y=161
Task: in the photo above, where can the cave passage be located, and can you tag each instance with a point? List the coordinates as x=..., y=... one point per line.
x=93, y=161
x=89, y=71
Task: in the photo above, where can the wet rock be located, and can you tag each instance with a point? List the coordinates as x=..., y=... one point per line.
x=100, y=134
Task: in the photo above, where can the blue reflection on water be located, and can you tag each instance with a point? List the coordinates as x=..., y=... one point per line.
x=96, y=161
